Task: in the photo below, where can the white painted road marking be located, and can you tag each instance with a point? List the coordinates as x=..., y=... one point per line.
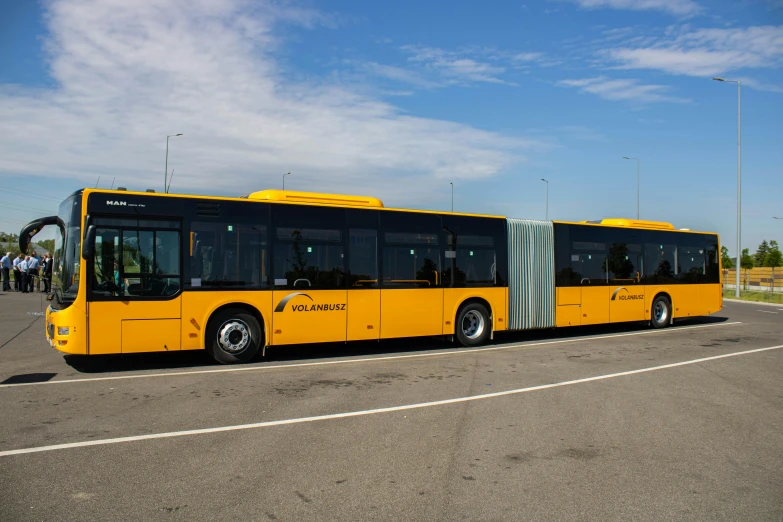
x=368, y=358
x=766, y=312
x=204, y=431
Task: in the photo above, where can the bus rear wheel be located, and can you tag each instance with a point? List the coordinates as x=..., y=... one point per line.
x=472, y=326
x=233, y=336
x=661, y=312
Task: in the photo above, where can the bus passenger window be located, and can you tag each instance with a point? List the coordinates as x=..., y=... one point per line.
x=660, y=261
x=363, y=252
x=691, y=265
x=711, y=254
x=405, y=267
x=309, y=258
x=625, y=263
x=471, y=261
x=228, y=255
x=589, y=263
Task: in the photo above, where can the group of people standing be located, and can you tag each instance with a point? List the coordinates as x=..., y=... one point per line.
x=29, y=272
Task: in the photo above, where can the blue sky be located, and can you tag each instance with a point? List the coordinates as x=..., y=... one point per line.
x=397, y=99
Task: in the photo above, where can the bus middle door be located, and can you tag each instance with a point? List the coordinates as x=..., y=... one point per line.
x=309, y=296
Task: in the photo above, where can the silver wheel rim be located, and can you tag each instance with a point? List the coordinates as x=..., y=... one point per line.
x=473, y=324
x=660, y=312
x=233, y=336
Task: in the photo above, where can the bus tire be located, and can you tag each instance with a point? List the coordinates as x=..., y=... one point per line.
x=473, y=325
x=233, y=336
x=661, y=312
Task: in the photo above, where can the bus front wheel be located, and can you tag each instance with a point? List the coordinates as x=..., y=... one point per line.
x=233, y=336
x=661, y=312
x=473, y=325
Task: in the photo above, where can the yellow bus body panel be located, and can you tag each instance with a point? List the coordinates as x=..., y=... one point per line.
x=108, y=335
x=411, y=312
x=595, y=304
x=569, y=306
x=627, y=303
x=588, y=305
x=308, y=316
x=364, y=314
x=150, y=335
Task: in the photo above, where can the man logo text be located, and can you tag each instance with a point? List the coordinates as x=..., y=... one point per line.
x=117, y=203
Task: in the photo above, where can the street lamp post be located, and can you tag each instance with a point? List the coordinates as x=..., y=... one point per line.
x=739, y=175
x=284, y=175
x=638, y=161
x=166, y=171
x=547, y=198
x=452, y=195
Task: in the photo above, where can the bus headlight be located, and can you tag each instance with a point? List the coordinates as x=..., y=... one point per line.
x=63, y=330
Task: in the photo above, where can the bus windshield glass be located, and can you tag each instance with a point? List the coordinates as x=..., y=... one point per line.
x=67, y=244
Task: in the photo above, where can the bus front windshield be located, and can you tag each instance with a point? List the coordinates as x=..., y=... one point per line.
x=67, y=252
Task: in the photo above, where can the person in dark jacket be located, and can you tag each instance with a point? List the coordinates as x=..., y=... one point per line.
x=47, y=273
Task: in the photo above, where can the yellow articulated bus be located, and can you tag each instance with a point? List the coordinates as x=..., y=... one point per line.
x=145, y=272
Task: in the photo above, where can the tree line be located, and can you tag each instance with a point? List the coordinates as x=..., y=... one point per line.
x=10, y=243
x=768, y=254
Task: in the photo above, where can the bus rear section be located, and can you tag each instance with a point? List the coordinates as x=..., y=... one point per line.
x=611, y=271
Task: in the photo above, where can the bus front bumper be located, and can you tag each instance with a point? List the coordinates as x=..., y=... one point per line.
x=66, y=330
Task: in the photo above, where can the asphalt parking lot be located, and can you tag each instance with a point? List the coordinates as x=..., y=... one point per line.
x=606, y=423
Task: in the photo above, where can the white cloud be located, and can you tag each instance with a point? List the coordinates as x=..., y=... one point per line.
x=129, y=73
x=706, y=52
x=622, y=89
x=399, y=74
x=761, y=86
x=675, y=7
x=528, y=57
x=430, y=67
x=454, y=66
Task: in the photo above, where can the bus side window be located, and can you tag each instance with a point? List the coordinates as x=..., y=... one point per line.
x=691, y=263
x=411, y=250
x=660, y=260
x=625, y=263
x=228, y=254
x=309, y=247
x=363, y=253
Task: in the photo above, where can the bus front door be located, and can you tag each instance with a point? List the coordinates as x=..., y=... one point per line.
x=135, y=303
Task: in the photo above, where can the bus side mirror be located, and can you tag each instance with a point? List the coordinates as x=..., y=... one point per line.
x=88, y=246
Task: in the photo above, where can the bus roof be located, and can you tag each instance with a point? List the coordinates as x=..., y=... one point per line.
x=294, y=197
x=290, y=196
x=349, y=201
x=633, y=223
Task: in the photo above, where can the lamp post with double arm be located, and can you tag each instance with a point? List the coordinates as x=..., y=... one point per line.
x=739, y=173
